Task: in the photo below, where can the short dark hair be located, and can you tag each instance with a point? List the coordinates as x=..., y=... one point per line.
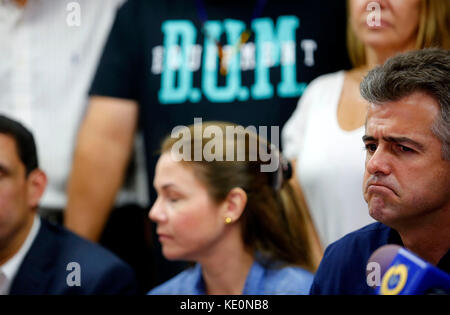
x=426, y=70
x=25, y=145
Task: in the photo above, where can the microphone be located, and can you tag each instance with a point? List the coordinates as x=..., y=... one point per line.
x=404, y=273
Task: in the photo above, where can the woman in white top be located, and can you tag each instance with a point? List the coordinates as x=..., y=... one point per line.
x=323, y=136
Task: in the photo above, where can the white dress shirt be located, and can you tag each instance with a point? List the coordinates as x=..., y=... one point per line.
x=9, y=269
x=47, y=64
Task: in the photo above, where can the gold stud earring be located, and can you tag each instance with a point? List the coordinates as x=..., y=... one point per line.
x=228, y=220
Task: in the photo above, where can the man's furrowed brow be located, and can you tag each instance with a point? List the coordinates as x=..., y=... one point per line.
x=366, y=138
x=405, y=140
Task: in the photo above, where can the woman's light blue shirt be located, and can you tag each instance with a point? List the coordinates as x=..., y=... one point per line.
x=261, y=280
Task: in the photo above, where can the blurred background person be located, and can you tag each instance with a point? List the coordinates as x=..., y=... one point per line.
x=49, y=51
x=323, y=136
x=36, y=256
x=239, y=223
x=167, y=62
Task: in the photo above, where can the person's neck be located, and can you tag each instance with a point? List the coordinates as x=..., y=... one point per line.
x=10, y=246
x=429, y=236
x=375, y=56
x=225, y=271
x=378, y=55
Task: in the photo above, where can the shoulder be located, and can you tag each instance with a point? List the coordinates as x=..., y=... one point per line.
x=288, y=280
x=101, y=270
x=325, y=85
x=326, y=80
x=183, y=283
x=367, y=236
x=70, y=244
x=343, y=266
x=359, y=243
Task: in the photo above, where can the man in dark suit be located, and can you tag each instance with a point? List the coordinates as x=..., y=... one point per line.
x=37, y=257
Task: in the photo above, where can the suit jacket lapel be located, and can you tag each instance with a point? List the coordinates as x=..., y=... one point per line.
x=35, y=272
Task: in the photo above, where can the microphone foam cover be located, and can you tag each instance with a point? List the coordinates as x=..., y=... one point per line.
x=384, y=256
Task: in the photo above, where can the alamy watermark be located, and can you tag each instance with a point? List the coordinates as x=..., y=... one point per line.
x=73, y=279
x=373, y=274
x=374, y=17
x=74, y=16
x=238, y=140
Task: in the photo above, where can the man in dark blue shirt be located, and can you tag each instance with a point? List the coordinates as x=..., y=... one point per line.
x=406, y=181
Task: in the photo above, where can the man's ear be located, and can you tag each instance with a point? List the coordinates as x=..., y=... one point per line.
x=36, y=181
x=234, y=204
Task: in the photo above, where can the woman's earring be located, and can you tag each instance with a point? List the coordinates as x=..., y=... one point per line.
x=228, y=220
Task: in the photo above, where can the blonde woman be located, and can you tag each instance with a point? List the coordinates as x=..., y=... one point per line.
x=238, y=223
x=323, y=136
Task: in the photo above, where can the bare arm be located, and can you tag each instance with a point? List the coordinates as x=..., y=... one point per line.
x=101, y=155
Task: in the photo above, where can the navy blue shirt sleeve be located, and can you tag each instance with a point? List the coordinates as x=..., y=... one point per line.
x=116, y=73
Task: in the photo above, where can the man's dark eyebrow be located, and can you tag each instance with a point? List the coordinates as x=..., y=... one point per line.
x=367, y=138
x=404, y=140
